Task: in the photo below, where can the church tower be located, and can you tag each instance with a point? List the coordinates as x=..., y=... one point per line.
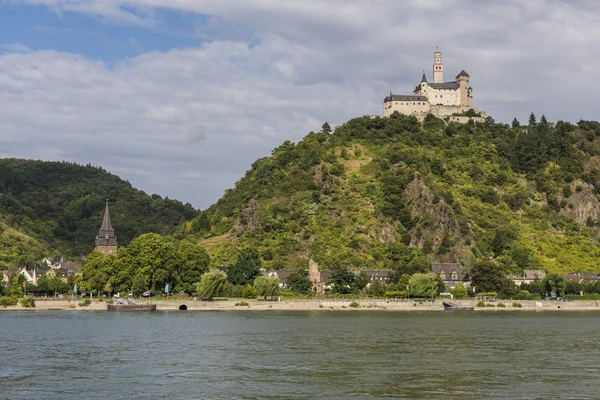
x=106, y=241
x=438, y=68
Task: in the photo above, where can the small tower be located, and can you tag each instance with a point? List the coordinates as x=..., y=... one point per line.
x=438, y=68
x=465, y=96
x=106, y=241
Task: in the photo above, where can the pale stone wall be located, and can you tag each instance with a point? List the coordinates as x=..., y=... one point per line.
x=447, y=97
x=406, y=107
x=107, y=250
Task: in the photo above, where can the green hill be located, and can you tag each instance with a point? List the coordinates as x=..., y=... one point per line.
x=53, y=208
x=392, y=193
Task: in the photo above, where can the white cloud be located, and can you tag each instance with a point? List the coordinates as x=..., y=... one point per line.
x=188, y=122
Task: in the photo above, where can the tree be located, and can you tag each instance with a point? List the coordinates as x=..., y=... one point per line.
x=326, y=128
x=554, y=283
x=459, y=292
x=249, y=292
x=376, y=288
x=424, y=285
x=299, y=282
x=266, y=286
x=515, y=123
x=192, y=263
x=211, y=284
x=362, y=280
x=342, y=280
x=139, y=284
x=246, y=268
x=486, y=276
x=532, y=120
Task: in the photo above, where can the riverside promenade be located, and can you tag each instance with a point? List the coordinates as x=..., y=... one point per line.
x=317, y=304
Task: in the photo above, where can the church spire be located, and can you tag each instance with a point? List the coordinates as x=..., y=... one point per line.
x=106, y=241
x=106, y=226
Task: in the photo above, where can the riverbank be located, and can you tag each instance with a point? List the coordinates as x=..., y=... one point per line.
x=317, y=304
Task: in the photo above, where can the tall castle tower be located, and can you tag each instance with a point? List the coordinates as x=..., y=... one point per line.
x=106, y=241
x=464, y=92
x=438, y=68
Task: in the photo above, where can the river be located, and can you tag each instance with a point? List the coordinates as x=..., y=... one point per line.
x=299, y=355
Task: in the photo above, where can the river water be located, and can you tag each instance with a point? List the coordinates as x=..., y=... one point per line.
x=299, y=355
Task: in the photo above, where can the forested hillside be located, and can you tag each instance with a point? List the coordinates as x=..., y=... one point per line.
x=53, y=208
x=392, y=193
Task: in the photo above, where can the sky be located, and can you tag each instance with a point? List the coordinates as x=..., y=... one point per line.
x=179, y=97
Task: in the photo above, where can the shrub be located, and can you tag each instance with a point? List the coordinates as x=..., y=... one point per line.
x=354, y=305
x=501, y=305
x=536, y=296
x=517, y=305
x=28, y=302
x=480, y=304
x=249, y=292
x=85, y=302
x=242, y=304
x=110, y=301
x=490, y=305
x=6, y=301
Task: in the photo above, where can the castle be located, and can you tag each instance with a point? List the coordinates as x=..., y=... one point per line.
x=448, y=100
x=106, y=241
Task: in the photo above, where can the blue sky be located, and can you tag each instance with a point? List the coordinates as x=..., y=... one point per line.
x=180, y=97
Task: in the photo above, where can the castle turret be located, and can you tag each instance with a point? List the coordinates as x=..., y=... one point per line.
x=106, y=241
x=462, y=80
x=438, y=68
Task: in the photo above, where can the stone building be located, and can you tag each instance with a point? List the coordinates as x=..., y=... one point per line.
x=106, y=241
x=450, y=273
x=449, y=100
x=319, y=279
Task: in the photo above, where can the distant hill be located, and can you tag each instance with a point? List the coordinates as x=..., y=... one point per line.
x=392, y=193
x=53, y=208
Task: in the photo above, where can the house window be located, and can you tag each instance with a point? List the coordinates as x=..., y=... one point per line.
x=454, y=275
x=443, y=275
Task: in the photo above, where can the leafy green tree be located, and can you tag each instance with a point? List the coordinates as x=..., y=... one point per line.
x=486, y=276
x=554, y=283
x=299, y=282
x=266, y=286
x=212, y=284
x=342, y=280
x=376, y=288
x=246, y=268
x=459, y=292
x=424, y=285
x=326, y=128
x=362, y=280
x=515, y=123
x=532, y=120
x=192, y=262
x=249, y=292
x=139, y=284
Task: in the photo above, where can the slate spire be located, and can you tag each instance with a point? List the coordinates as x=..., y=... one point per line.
x=106, y=235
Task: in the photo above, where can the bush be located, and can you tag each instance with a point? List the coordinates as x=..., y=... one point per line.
x=110, y=301
x=249, y=292
x=501, y=305
x=242, y=304
x=28, y=302
x=354, y=305
x=480, y=304
x=536, y=296
x=490, y=305
x=85, y=302
x=6, y=301
x=517, y=305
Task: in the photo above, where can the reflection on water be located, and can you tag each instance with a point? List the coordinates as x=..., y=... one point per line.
x=298, y=355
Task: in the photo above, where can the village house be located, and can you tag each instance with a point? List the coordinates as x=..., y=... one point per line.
x=528, y=276
x=581, y=277
x=381, y=275
x=450, y=273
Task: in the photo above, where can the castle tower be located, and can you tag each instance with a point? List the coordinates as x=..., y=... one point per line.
x=464, y=94
x=106, y=241
x=315, y=276
x=438, y=68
